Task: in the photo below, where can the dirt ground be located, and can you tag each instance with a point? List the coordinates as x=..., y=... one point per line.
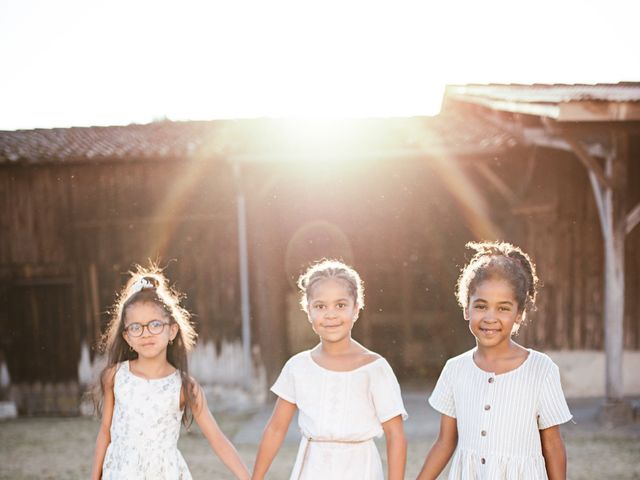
x=62, y=448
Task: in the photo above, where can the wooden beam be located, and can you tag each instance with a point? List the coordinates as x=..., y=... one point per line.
x=633, y=218
x=579, y=150
x=538, y=136
x=498, y=183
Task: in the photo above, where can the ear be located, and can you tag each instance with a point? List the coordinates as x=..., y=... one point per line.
x=516, y=325
x=173, y=332
x=465, y=313
x=356, y=315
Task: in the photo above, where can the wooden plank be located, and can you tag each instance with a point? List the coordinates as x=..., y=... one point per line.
x=588, y=161
x=633, y=218
x=497, y=183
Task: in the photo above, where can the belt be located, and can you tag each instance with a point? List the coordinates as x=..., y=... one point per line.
x=319, y=440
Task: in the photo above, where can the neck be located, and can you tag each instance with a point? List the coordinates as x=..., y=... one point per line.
x=337, y=348
x=155, y=365
x=497, y=351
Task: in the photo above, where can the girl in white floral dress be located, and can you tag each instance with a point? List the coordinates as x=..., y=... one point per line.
x=345, y=395
x=147, y=391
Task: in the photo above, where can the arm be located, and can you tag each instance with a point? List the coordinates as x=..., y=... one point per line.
x=396, y=447
x=442, y=449
x=104, y=434
x=273, y=436
x=554, y=453
x=220, y=444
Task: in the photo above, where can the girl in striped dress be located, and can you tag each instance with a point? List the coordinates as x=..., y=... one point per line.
x=501, y=404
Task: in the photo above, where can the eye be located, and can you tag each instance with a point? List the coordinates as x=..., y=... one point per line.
x=505, y=309
x=134, y=328
x=341, y=305
x=480, y=307
x=155, y=324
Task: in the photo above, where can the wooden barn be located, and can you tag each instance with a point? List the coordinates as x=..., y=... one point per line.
x=237, y=209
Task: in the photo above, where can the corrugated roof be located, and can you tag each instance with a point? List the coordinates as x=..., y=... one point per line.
x=450, y=133
x=565, y=103
x=553, y=93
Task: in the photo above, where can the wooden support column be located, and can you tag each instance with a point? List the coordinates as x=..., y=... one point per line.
x=609, y=188
x=615, y=233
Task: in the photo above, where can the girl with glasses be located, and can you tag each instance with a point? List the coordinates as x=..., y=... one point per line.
x=146, y=390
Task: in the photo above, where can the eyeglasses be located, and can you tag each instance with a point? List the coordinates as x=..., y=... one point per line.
x=155, y=327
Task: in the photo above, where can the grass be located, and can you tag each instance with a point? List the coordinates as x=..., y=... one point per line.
x=62, y=448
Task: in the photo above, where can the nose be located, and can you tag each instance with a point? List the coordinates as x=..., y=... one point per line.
x=330, y=313
x=490, y=316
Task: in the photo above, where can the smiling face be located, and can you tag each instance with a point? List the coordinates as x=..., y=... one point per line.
x=148, y=344
x=332, y=310
x=492, y=313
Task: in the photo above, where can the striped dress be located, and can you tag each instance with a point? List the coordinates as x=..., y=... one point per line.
x=499, y=416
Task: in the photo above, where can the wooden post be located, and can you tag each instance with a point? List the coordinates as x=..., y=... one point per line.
x=614, y=237
x=609, y=189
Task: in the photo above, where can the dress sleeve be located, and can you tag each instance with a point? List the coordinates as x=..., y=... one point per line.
x=285, y=387
x=385, y=392
x=552, y=406
x=441, y=398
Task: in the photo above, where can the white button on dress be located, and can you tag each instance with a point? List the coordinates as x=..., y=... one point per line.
x=499, y=416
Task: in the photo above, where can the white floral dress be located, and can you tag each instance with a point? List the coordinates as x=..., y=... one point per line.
x=340, y=413
x=144, y=429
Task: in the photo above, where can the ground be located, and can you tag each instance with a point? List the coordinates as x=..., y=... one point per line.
x=61, y=448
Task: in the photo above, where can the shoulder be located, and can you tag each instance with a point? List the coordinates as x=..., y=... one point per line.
x=368, y=357
x=298, y=360
x=541, y=361
x=464, y=359
x=108, y=375
x=193, y=385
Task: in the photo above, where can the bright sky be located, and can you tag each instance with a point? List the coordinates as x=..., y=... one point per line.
x=115, y=62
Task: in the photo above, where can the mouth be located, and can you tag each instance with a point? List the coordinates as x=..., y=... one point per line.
x=490, y=331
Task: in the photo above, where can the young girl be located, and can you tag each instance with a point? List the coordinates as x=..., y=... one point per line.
x=146, y=388
x=346, y=395
x=501, y=404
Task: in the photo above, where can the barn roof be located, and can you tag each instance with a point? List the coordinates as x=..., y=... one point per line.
x=251, y=139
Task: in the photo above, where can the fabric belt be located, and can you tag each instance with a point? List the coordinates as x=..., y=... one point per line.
x=308, y=441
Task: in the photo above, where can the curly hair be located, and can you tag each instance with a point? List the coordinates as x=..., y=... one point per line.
x=499, y=260
x=326, y=269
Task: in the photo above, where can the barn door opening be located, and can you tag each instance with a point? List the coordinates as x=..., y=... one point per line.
x=43, y=346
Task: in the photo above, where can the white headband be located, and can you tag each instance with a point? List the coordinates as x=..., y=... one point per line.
x=141, y=284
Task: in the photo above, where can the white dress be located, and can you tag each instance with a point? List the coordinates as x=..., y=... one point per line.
x=145, y=429
x=340, y=413
x=499, y=416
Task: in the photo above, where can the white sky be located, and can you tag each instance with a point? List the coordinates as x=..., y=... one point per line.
x=89, y=62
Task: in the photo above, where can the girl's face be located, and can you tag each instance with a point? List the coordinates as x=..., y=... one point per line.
x=492, y=313
x=332, y=310
x=148, y=329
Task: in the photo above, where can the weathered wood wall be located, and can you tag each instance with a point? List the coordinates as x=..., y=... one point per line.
x=557, y=223
x=71, y=232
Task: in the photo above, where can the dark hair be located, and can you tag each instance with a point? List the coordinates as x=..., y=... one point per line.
x=149, y=285
x=499, y=260
x=324, y=270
